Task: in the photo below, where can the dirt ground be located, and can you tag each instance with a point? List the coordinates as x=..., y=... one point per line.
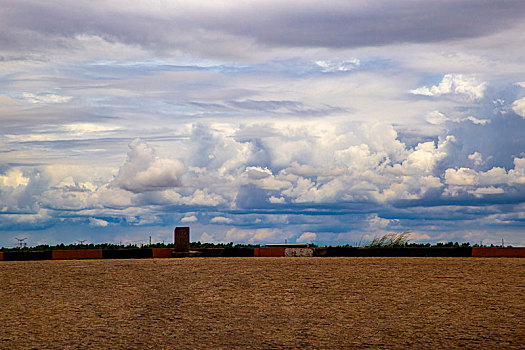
x=263, y=303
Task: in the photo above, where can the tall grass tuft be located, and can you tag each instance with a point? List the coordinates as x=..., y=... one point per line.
x=390, y=240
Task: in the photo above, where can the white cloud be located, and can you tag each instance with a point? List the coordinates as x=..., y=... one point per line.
x=424, y=157
x=86, y=128
x=518, y=173
x=311, y=170
x=461, y=177
x=187, y=219
x=258, y=173
x=253, y=235
x=143, y=171
x=457, y=84
x=475, y=120
x=436, y=118
x=481, y=191
x=114, y=197
x=518, y=107
x=476, y=158
x=306, y=237
x=45, y=98
x=203, y=197
x=31, y=220
x=465, y=179
x=97, y=222
x=265, y=179
x=209, y=238
x=276, y=200
x=419, y=237
x=375, y=222
x=338, y=66
x=14, y=178
x=221, y=220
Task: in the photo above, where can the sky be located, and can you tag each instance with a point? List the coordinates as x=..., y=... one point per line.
x=262, y=121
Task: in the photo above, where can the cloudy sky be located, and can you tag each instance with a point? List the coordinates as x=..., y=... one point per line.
x=262, y=121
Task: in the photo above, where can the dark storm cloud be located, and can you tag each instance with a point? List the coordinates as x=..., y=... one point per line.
x=346, y=25
x=30, y=25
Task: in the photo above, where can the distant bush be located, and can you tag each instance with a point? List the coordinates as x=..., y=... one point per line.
x=388, y=240
x=62, y=246
x=198, y=244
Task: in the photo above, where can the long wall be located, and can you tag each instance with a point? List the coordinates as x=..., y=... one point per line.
x=395, y=252
x=509, y=252
x=498, y=252
x=77, y=254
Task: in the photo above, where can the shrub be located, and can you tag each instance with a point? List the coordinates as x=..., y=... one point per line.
x=390, y=240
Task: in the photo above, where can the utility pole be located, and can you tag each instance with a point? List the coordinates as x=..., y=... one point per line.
x=21, y=243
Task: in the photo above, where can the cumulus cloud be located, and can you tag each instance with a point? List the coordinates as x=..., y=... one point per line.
x=436, y=118
x=203, y=198
x=258, y=173
x=365, y=167
x=481, y=191
x=143, y=171
x=306, y=237
x=475, y=182
x=26, y=221
x=376, y=222
x=221, y=220
x=276, y=200
x=206, y=237
x=94, y=222
x=476, y=158
x=188, y=219
x=253, y=235
x=518, y=107
x=20, y=191
x=462, y=176
x=14, y=178
x=456, y=84
x=264, y=178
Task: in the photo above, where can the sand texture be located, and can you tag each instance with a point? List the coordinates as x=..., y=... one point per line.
x=263, y=303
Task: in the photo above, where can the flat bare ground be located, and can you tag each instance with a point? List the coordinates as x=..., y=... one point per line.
x=263, y=303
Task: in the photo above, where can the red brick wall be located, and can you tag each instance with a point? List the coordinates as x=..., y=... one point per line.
x=77, y=254
x=162, y=252
x=269, y=251
x=506, y=252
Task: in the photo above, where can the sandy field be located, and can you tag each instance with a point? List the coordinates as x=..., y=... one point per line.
x=263, y=303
